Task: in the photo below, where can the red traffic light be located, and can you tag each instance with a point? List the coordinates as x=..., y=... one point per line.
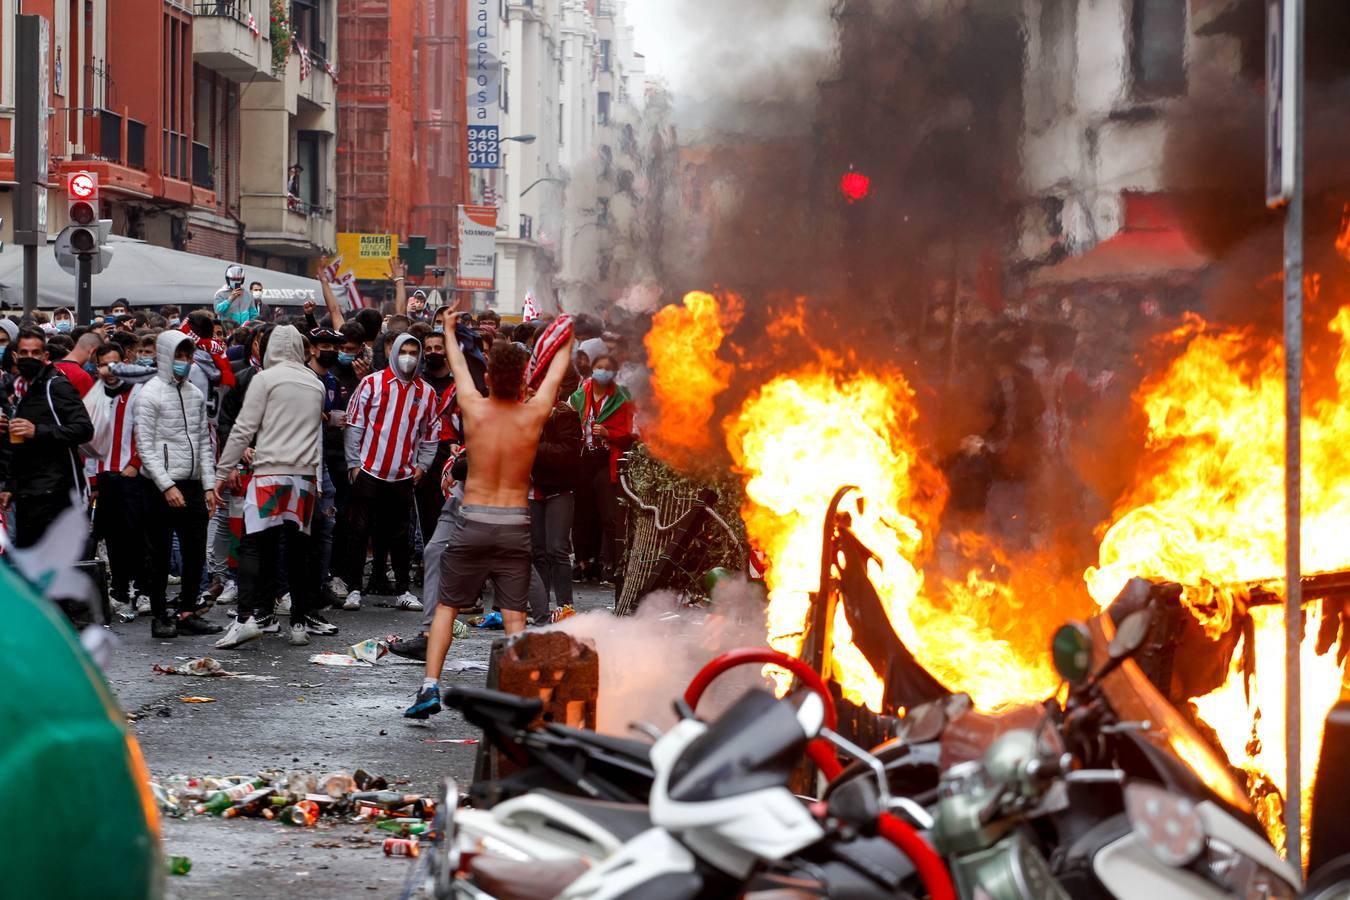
x=855, y=186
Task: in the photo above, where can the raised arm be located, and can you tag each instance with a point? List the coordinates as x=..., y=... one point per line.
x=547, y=395
x=459, y=366
x=329, y=300
x=398, y=270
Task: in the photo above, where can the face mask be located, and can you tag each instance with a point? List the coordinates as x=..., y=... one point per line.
x=181, y=369
x=435, y=360
x=407, y=364
x=602, y=377
x=174, y=323
x=327, y=358
x=257, y=295
x=91, y=368
x=346, y=358
x=28, y=367
x=147, y=362
x=63, y=325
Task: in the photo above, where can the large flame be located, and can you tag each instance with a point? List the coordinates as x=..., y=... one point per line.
x=687, y=375
x=1207, y=511
x=796, y=440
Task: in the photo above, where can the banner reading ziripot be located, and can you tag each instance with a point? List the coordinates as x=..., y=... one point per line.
x=477, y=248
x=484, y=85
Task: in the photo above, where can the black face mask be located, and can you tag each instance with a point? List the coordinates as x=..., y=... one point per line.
x=328, y=358
x=435, y=361
x=29, y=367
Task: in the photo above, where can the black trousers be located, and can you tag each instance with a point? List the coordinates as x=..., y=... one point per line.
x=34, y=515
x=162, y=523
x=342, y=489
x=120, y=522
x=379, y=513
x=260, y=558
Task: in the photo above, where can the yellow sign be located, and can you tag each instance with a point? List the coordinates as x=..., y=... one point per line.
x=367, y=256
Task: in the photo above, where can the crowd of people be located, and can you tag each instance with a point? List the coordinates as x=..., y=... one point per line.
x=291, y=464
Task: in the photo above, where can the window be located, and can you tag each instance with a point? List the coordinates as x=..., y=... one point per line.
x=309, y=156
x=602, y=108
x=307, y=21
x=605, y=47
x=1158, y=47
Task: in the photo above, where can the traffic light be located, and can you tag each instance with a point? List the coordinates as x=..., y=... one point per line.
x=82, y=211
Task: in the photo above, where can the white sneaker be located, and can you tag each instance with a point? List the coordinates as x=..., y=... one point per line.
x=406, y=600
x=239, y=633
x=230, y=594
x=353, y=601
x=175, y=579
x=269, y=625
x=142, y=605
x=283, y=607
x=299, y=636
x=338, y=587
x=389, y=575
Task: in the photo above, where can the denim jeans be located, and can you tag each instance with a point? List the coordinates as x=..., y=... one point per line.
x=551, y=533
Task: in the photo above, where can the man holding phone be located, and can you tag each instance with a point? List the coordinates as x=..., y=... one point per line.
x=46, y=423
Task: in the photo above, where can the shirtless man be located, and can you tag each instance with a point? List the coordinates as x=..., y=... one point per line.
x=491, y=534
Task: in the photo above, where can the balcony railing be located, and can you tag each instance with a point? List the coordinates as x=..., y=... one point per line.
x=135, y=156
x=227, y=9
x=109, y=135
x=202, y=176
x=176, y=159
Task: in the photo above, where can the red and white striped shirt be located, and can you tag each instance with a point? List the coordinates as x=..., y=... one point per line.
x=122, y=414
x=399, y=426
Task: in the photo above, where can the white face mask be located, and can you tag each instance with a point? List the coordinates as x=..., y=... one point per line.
x=407, y=364
x=257, y=295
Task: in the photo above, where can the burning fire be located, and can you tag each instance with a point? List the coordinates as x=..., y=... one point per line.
x=687, y=376
x=1207, y=511
x=796, y=440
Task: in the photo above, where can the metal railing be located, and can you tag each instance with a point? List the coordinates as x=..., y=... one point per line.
x=175, y=160
x=109, y=135
x=225, y=9
x=135, y=155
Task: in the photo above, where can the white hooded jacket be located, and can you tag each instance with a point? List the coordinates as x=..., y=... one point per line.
x=172, y=438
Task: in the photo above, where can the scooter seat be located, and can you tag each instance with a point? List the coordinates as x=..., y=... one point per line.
x=623, y=820
x=486, y=708
x=626, y=747
x=511, y=879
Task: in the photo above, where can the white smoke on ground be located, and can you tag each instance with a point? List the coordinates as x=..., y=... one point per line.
x=648, y=659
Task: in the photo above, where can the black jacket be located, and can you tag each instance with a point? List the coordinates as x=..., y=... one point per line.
x=557, y=464
x=49, y=462
x=233, y=403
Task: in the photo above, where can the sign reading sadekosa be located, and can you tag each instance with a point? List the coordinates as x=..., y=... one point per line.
x=477, y=248
x=484, y=83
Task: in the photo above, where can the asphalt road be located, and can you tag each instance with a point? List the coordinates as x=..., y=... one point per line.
x=308, y=717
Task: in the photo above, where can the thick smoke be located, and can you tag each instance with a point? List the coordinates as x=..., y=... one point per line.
x=647, y=660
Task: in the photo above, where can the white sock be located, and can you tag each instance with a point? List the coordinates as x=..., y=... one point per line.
x=429, y=683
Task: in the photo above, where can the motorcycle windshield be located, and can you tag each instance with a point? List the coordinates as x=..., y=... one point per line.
x=752, y=746
x=1134, y=699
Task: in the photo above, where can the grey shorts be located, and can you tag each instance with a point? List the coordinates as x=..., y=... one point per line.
x=487, y=542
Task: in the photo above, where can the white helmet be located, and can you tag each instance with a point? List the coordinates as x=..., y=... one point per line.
x=234, y=276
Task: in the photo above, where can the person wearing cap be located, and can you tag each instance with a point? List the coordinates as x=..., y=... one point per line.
x=417, y=307
x=9, y=333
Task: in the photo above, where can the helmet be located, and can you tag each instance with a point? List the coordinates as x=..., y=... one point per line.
x=234, y=276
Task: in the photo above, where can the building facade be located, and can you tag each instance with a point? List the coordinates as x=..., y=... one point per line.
x=402, y=164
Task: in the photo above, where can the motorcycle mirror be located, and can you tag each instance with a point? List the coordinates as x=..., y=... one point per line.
x=1071, y=649
x=1131, y=634
x=856, y=802
x=1169, y=826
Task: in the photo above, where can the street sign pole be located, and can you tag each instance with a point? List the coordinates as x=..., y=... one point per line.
x=1284, y=186
x=84, y=290
x=30, y=147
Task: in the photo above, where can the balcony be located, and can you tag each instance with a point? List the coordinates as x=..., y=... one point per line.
x=119, y=139
x=223, y=42
x=287, y=226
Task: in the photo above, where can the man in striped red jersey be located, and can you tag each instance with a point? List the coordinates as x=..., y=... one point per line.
x=391, y=441
x=119, y=517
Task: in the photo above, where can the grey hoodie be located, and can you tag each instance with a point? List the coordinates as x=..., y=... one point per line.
x=283, y=410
